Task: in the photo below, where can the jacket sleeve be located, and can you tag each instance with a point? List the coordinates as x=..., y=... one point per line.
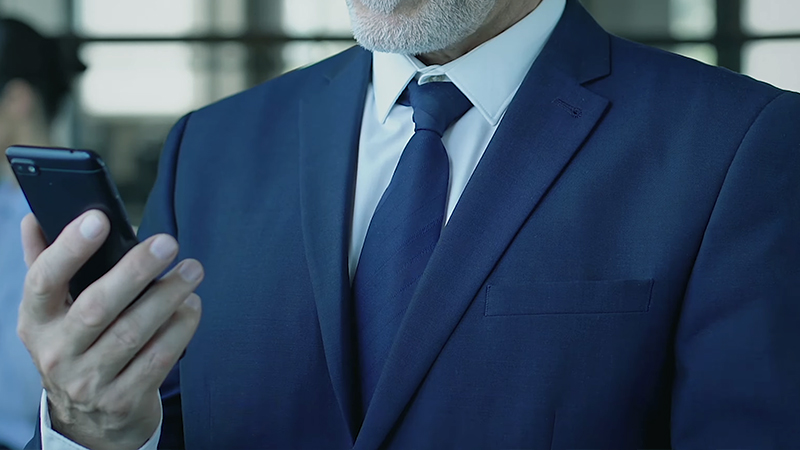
x=737, y=347
x=159, y=217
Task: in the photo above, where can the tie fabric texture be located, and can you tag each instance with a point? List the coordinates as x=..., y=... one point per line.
x=404, y=229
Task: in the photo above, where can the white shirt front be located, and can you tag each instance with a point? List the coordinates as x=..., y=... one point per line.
x=489, y=76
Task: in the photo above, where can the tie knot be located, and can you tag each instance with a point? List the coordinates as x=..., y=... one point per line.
x=437, y=105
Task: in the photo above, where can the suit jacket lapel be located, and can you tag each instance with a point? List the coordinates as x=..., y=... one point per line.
x=548, y=121
x=330, y=124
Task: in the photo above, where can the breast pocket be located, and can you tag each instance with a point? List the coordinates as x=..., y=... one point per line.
x=569, y=297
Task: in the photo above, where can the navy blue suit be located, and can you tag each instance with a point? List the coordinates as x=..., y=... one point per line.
x=622, y=270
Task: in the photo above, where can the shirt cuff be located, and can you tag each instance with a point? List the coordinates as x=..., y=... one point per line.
x=52, y=440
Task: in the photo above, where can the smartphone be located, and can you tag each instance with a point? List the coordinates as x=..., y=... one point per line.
x=61, y=184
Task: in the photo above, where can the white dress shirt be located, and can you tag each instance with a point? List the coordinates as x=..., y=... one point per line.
x=489, y=76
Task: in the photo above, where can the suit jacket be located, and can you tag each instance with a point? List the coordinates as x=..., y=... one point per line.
x=622, y=270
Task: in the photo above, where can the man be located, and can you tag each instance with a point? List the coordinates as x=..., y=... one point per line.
x=606, y=256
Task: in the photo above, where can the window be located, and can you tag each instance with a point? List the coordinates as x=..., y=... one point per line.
x=771, y=16
x=774, y=61
x=309, y=18
x=690, y=19
x=760, y=38
x=315, y=17
x=706, y=53
x=775, y=56
x=167, y=78
x=140, y=79
x=139, y=17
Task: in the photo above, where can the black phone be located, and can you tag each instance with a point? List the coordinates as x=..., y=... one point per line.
x=61, y=184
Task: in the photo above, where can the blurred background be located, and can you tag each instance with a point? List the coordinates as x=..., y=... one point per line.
x=151, y=61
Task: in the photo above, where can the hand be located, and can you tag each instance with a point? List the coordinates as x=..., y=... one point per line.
x=102, y=364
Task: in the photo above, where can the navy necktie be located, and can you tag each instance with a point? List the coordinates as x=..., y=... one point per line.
x=404, y=228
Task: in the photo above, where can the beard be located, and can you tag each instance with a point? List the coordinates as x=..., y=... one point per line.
x=414, y=27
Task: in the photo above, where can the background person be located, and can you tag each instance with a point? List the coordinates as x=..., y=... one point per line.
x=35, y=78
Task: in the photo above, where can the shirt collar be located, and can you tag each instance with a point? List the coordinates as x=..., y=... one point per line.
x=489, y=76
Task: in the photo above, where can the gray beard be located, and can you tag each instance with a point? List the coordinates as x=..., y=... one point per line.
x=382, y=26
x=382, y=6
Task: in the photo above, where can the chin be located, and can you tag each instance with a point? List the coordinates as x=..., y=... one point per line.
x=389, y=40
x=384, y=7
x=390, y=7
x=415, y=27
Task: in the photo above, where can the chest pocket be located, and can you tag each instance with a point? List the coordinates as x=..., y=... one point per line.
x=568, y=297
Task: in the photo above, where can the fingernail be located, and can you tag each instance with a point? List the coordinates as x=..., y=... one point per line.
x=191, y=271
x=193, y=302
x=163, y=247
x=91, y=227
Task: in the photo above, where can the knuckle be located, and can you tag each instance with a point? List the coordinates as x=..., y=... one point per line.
x=92, y=309
x=127, y=337
x=140, y=269
x=38, y=281
x=80, y=391
x=180, y=293
x=23, y=333
x=74, y=248
x=159, y=362
x=48, y=362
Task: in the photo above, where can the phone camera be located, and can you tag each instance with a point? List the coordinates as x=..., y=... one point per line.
x=28, y=170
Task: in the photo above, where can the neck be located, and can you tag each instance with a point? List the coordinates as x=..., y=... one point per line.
x=505, y=14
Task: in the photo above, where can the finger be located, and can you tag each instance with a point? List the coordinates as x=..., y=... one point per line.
x=120, y=343
x=33, y=240
x=101, y=303
x=153, y=363
x=47, y=282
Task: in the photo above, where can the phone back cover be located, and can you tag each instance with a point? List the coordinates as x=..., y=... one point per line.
x=57, y=197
